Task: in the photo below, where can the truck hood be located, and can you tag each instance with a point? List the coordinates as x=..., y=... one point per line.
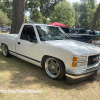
x=75, y=47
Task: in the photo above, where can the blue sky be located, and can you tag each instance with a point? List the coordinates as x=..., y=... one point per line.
x=71, y=1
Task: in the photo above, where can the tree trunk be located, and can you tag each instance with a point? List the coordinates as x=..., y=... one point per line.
x=18, y=15
x=95, y=17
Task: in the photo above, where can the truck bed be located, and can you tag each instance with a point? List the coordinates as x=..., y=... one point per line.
x=94, y=39
x=10, y=39
x=8, y=35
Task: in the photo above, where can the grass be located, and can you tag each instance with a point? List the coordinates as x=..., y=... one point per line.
x=16, y=74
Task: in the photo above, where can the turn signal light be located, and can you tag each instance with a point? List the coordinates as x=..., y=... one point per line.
x=74, y=59
x=74, y=64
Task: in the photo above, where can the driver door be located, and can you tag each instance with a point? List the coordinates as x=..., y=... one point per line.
x=24, y=48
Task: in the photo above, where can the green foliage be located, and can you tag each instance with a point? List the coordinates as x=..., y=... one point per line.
x=76, y=6
x=32, y=4
x=63, y=13
x=36, y=16
x=86, y=8
x=6, y=6
x=26, y=19
x=47, y=6
x=4, y=20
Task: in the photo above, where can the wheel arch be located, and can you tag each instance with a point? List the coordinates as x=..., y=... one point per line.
x=44, y=58
x=2, y=44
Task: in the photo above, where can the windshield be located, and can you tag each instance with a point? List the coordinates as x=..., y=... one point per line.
x=50, y=33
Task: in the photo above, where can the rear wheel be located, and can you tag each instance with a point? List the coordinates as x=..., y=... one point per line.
x=5, y=50
x=54, y=68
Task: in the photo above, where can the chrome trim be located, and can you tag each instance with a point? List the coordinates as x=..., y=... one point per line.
x=80, y=61
x=83, y=72
x=77, y=77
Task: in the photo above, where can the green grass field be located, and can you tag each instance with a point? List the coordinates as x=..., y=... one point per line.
x=16, y=74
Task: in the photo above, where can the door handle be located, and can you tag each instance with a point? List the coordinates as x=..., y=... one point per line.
x=18, y=43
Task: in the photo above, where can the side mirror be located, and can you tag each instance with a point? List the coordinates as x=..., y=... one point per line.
x=35, y=41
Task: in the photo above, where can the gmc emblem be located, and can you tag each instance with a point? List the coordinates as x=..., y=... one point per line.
x=95, y=59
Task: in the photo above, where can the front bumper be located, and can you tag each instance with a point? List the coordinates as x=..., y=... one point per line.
x=82, y=74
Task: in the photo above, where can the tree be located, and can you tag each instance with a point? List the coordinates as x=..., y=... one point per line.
x=6, y=6
x=86, y=8
x=47, y=6
x=63, y=13
x=36, y=16
x=32, y=5
x=4, y=20
x=18, y=15
x=76, y=6
x=95, y=17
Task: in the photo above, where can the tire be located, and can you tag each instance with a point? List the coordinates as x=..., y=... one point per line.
x=5, y=50
x=54, y=68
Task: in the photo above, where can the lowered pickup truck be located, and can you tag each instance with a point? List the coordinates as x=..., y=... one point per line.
x=49, y=47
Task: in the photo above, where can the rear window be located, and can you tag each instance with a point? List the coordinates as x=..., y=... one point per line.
x=66, y=30
x=79, y=31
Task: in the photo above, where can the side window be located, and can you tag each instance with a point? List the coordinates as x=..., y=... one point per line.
x=28, y=33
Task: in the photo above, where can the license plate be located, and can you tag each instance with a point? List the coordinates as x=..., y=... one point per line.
x=98, y=71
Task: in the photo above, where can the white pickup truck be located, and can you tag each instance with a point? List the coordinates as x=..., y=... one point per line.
x=49, y=47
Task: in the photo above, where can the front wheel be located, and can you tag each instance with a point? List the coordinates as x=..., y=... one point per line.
x=54, y=68
x=5, y=50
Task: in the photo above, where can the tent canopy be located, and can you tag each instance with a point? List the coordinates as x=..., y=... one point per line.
x=58, y=24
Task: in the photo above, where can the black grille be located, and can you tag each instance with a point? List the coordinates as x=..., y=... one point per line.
x=91, y=58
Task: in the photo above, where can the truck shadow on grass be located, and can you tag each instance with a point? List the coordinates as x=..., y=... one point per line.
x=22, y=75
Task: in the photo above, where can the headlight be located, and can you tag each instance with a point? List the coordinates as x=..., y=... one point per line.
x=84, y=58
x=79, y=61
x=81, y=64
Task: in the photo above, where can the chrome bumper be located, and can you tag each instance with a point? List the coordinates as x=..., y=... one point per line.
x=76, y=74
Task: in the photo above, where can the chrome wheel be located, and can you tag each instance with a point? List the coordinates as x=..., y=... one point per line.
x=4, y=50
x=52, y=68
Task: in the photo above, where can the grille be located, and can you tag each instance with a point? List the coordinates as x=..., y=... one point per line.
x=91, y=59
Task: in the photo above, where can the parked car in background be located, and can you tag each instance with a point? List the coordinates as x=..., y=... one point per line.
x=98, y=32
x=92, y=32
x=3, y=29
x=83, y=35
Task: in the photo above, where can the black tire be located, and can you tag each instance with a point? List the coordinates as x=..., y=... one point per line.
x=5, y=50
x=54, y=68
